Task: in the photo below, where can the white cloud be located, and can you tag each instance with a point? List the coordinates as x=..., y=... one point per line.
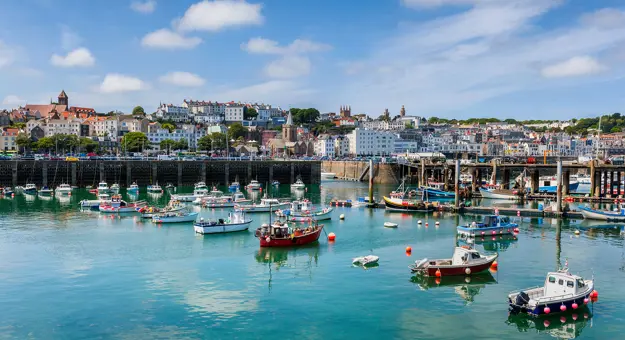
x=80, y=57
x=266, y=46
x=184, y=79
x=69, y=39
x=220, y=14
x=117, y=83
x=290, y=66
x=576, y=66
x=7, y=55
x=437, y=3
x=13, y=100
x=166, y=39
x=145, y=7
x=605, y=18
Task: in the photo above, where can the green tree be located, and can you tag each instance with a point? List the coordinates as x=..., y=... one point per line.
x=616, y=129
x=236, y=130
x=169, y=126
x=134, y=142
x=218, y=140
x=168, y=144
x=304, y=116
x=23, y=141
x=44, y=144
x=205, y=143
x=138, y=110
x=182, y=144
x=88, y=144
x=250, y=113
x=18, y=125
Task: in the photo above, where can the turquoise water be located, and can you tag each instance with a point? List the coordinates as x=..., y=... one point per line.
x=66, y=274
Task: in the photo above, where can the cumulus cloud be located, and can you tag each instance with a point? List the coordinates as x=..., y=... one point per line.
x=145, y=7
x=183, y=79
x=266, y=46
x=13, y=100
x=576, y=66
x=219, y=14
x=167, y=39
x=80, y=57
x=289, y=66
x=117, y=83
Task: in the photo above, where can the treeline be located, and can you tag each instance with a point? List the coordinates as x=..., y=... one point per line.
x=470, y=121
x=609, y=124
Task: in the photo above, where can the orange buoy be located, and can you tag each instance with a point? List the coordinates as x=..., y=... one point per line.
x=408, y=249
x=438, y=273
x=494, y=265
x=331, y=237
x=594, y=294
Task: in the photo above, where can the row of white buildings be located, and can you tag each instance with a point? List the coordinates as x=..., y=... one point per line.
x=204, y=112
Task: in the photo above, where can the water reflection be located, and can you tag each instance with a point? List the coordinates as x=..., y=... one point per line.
x=494, y=243
x=288, y=258
x=467, y=287
x=566, y=326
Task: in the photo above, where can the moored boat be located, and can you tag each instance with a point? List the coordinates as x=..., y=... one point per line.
x=30, y=189
x=265, y=205
x=236, y=221
x=149, y=212
x=103, y=187
x=114, y=189
x=409, y=205
x=279, y=234
x=492, y=225
x=254, y=185
x=298, y=185
x=465, y=261
x=561, y=292
x=234, y=186
x=133, y=189
x=604, y=215
x=325, y=176
x=275, y=183
x=390, y=225
x=175, y=217
x=63, y=189
x=117, y=205
x=45, y=191
x=434, y=192
x=365, y=261
x=304, y=211
x=8, y=192
x=499, y=194
x=155, y=188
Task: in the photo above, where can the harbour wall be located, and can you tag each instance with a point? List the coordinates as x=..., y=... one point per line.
x=383, y=173
x=179, y=173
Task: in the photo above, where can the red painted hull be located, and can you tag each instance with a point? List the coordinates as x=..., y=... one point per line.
x=291, y=242
x=459, y=270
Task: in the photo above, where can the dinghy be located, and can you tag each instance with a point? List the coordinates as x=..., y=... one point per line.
x=365, y=260
x=390, y=225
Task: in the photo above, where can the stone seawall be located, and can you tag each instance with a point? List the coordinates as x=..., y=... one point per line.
x=383, y=173
x=180, y=173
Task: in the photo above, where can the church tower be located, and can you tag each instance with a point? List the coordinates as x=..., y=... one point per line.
x=289, y=131
x=63, y=99
x=402, y=113
x=346, y=111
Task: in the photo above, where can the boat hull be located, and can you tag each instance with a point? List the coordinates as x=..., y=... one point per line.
x=599, y=215
x=318, y=216
x=220, y=229
x=291, y=242
x=176, y=219
x=453, y=270
x=552, y=188
x=554, y=304
x=486, y=231
x=408, y=207
x=262, y=209
x=497, y=196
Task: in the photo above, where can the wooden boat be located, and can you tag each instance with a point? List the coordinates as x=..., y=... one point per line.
x=465, y=261
x=492, y=225
x=175, y=217
x=390, y=225
x=409, y=205
x=30, y=189
x=304, y=211
x=279, y=234
x=254, y=185
x=63, y=189
x=561, y=292
x=604, y=215
x=365, y=261
x=236, y=222
x=499, y=194
x=266, y=205
x=117, y=205
x=298, y=185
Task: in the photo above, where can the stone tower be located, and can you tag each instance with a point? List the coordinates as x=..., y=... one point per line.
x=63, y=99
x=346, y=111
x=289, y=131
x=402, y=112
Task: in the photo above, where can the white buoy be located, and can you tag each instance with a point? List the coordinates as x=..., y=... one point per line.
x=437, y=222
x=342, y=217
x=419, y=222
x=576, y=232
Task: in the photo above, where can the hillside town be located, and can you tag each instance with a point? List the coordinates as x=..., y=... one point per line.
x=251, y=129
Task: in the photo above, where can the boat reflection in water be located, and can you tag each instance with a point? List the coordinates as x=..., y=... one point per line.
x=493, y=243
x=564, y=326
x=287, y=258
x=468, y=287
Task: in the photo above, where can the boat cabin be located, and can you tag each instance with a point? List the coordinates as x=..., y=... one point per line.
x=493, y=221
x=269, y=201
x=562, y=283
x=301, y=206
x=465, y=255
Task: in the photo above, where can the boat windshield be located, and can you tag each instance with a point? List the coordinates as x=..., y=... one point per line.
x=505, y=219
x=580, y=283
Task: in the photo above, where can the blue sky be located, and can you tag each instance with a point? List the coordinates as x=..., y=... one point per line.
x=529, y=59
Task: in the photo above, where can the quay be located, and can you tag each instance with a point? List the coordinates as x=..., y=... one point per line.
x=180, y=173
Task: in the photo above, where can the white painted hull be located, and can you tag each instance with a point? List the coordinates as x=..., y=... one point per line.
x=298, y=186
x=602, y=216
x=319, y=216
x=493, y=195
x=219, y=229
x=175, y=219
x=262, y=209
x=63, y=191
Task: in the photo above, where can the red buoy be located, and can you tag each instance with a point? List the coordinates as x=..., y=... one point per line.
x=562, y=319
x=574, y=305
x=586, y=301
x=438, y=273
x=331, y=237
x=546, y=323
x=494, y=265
x=408, y=249
x=574, y=316
x=563, y=308
x=547, y=310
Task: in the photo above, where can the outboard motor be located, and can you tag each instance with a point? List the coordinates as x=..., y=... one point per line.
x=522, y=299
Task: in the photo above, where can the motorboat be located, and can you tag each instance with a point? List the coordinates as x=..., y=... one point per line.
x=465, y=261
x=304, y=211
x=433, y=191
x=279, y=234
x=114, y=189
x=499, y=194
x=149, y=212
x=155, y=189
x=617, y=215
x=492, y=225
x=298, y=185
x=7, y=191
x=236, y=221
x=200, y=189
x=175, y=217
x=117, y=205
x=30, y=189
x=365, y=261
x=275, y=183
x=548, y=184
x=583, y=179
x=390, y=225
x=234, y=186
x=170, y=187
x=45, y=191
x=326, y=176
x=133, y=189
x=561, y=292
x=239, y=197
x=254, y=185
x=63, y=189
x=103, y=187
x=265, y=205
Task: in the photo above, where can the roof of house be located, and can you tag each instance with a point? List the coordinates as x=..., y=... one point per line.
x=46, y=109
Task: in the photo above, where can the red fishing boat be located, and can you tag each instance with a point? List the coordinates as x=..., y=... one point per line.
x=465, y=261
x=279, y=234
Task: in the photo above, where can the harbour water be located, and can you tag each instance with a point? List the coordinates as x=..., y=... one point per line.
x=67, y=274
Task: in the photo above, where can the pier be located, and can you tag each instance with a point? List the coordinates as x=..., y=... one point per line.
x=179, y=173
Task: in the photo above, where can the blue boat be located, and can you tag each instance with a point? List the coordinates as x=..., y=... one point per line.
x=430, y=192
x=549, y=185
x=234, y=187
x=604, y=215
x=492, y=225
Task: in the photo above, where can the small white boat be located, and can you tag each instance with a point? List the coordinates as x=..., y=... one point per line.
x=30, y=189
x=63, y=189
x=499, y=194
x=299, y=185
x=236, y=222
x=390, y=225
x=175, y=217
x=7, y=192
x=45, y=191
x=155, y=188
x=326, y=176
x=618, y=215
x=266, y=205
x=304, y=211
x=114, y=189
x=254, y=185
x=117, y=205
x=239, y=197
x=133, y=189
x=365, y=260
x=103, y=187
